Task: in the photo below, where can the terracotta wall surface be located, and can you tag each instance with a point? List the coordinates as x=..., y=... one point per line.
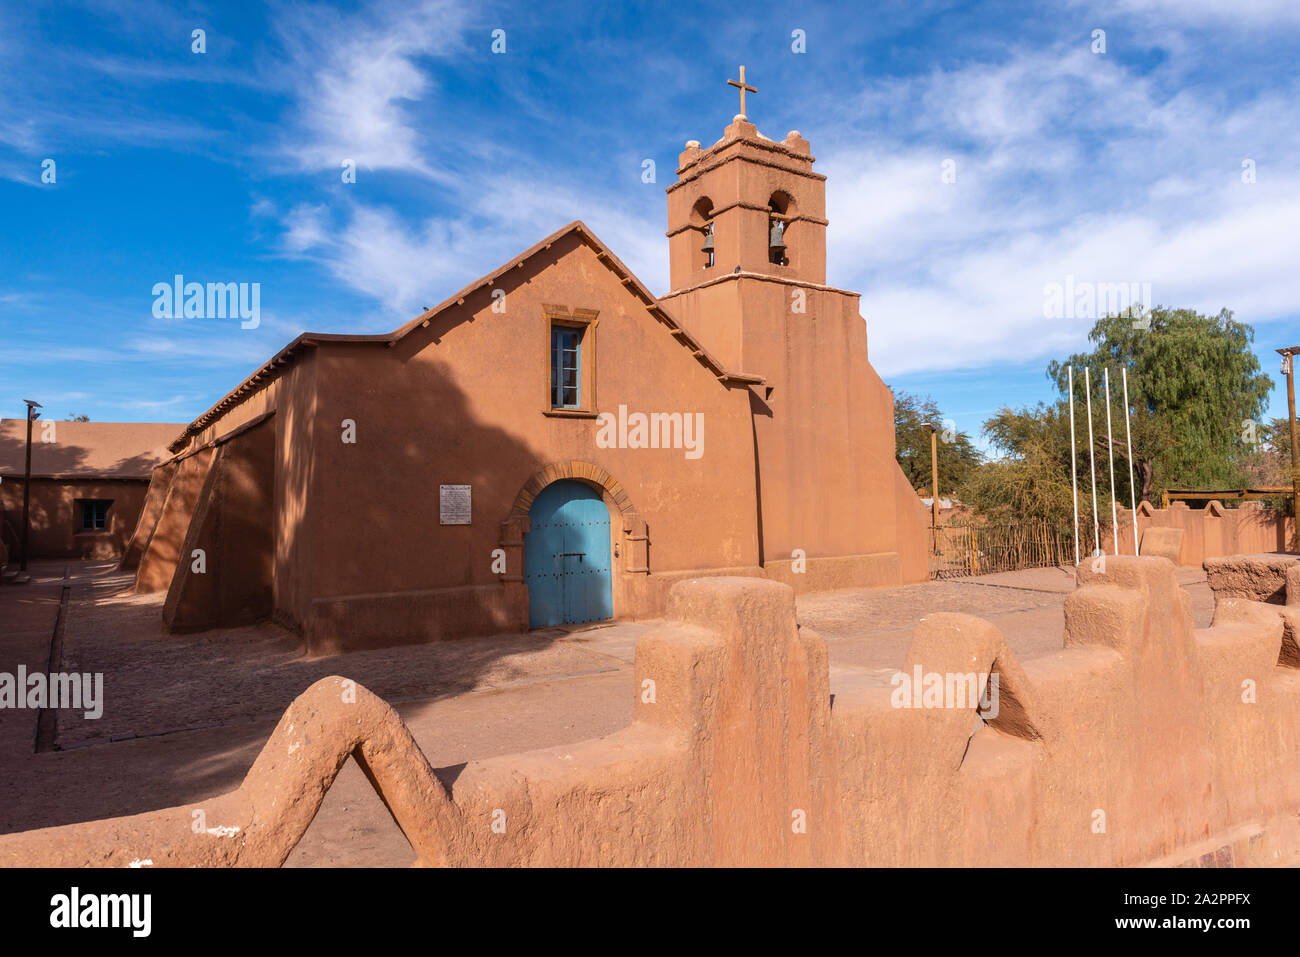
x=162, y=550
x=55, y=516
x=295, y=466
x=270, y=483
x=150, y=511
x=830, y=484
x=913, y=529
x=1142, y=740
x=466, y=402
x=233, y=515
x=1209, y=532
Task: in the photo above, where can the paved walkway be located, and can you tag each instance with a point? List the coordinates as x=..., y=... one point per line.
x=185, y=716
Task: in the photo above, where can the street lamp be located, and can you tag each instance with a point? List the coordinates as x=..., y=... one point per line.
x=32, y=414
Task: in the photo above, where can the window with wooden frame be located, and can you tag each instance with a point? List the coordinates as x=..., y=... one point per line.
x=572, y=360
x=94, y=515
x=566, y=365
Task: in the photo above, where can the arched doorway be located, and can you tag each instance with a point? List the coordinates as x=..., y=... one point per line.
x=566, y=556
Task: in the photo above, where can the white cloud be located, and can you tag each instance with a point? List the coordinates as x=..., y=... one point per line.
x=1067, y=164
x=356, y=82
x=176, y=400
x=373, y=250
x=353, y=78
x=1230, y=13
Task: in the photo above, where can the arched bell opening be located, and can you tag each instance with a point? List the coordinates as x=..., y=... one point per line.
x=780, y=211
x=702, y=220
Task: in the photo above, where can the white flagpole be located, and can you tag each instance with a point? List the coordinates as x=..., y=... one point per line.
x=1110, y=450
x=1092, y=461
x=1132, y=484
x=1074, y=469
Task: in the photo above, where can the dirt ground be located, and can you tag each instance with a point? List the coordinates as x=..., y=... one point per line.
x=185, y=716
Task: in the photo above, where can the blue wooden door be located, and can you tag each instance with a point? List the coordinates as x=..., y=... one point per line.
x=566, y=556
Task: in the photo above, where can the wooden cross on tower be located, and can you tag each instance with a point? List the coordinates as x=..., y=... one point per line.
x=743, y=88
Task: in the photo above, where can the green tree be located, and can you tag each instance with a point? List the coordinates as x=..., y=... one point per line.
x=913, y=418
x=1269, y=463
x=1030, y=479
x=1195, y=388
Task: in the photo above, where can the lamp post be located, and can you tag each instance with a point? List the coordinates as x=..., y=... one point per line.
x=934, y=477
x=1288, y=362
x=27, y=478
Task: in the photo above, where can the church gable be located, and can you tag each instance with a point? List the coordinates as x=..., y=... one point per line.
x=479, y=297
x=490, y=296
x=548, y=351
x=464, y=397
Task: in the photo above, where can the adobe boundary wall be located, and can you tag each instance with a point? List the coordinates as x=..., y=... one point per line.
x=345, y=623
x=1143, y=740
x=1210, y=532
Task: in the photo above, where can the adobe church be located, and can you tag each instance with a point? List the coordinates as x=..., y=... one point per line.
x=554, y=443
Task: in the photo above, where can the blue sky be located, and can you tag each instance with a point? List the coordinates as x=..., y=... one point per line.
x=1122, y=166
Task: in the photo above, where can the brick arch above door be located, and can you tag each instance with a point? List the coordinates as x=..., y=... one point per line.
x=515, y=525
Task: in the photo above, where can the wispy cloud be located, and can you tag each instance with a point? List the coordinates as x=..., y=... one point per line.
x=1066, y=164
x=405, y=267
x=353, y=77
x=173, y=402
x=1241, y=14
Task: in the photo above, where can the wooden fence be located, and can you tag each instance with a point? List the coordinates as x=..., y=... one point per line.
x=968, y=548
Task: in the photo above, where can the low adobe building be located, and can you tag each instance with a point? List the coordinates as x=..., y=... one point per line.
x=89, y=481
x=554, y=443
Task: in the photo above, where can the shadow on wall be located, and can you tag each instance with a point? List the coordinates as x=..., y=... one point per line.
x=360, y=558
x=11, y=517
x=416, y=435
x=384, y=570
x=53, y=515
x=1212, y=531
x=371, y=527
x=60, y=458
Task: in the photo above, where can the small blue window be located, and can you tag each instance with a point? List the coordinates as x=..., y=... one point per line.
x=94, y=515
x=565, y=372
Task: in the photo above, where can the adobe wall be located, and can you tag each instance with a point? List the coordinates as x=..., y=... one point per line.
x=1209, y=532
x=830, y=485
x=1142, y=740
x=1138, y=725
x=295, y=403
x=163, y=549
x=159, y=481
x=272, y=484
x=55, y=516
x=233, y=516
x=466, y=402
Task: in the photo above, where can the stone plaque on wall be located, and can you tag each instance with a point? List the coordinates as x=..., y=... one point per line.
x=453, y=504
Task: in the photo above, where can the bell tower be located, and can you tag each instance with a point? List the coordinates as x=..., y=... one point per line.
x=747, y=266
x=749, y=202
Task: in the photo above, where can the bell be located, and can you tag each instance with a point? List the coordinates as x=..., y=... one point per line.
x=708, y=241
x=777, y=238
